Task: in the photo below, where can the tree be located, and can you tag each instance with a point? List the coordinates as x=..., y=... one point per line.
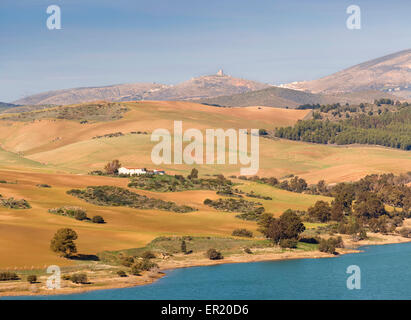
x=264, y=222
x=63, y=242
x=321, y=211
x=193, y=174
x=288, y=226
x=368, y=206
x=213, y=254
x=112, y=167
x=183, y=246
x=292, y=224
x=79, y=278
x=135, y=270
x=98, y=219
x=32, y=278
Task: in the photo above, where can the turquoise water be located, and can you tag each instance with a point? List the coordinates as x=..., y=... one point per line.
x=385, y=274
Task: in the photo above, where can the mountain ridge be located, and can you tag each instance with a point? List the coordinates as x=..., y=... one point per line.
x=390, y=73
x=196, y=88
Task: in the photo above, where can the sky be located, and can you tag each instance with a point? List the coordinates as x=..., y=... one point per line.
x=104, y=42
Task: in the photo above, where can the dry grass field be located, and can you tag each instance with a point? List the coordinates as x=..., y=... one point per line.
x=60, y=152
x=25, y=234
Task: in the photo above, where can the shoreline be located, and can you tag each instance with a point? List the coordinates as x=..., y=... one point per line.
x=106, y=283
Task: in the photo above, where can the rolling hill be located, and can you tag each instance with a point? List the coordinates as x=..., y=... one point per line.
x=391, y=73
x=196, y=88
x=283, y=98
x=5, y=106
x=69, y=145
x=58, y=146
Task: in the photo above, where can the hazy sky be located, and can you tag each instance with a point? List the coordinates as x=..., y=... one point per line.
x=168, y=41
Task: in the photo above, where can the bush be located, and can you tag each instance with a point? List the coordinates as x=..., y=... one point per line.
x=146, y=265
x=66, y=277
x=7, y=276
x=148, y=255
x=242, y=233
x=80, y=216
x=72, y=212
x=121, y=273
x=288, y=243
x=32, y=278
x=330, y=245
x=43, y=185
x=248, y=250
x=98, y=219
x=405, y=232
x=213, y=254
x=135, y=270
x=127, y=261
x=183, y=246
x=79, y=278
x=116, y=196
x=12, y=203
x=310, y=240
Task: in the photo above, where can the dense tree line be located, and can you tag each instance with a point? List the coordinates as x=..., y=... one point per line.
x=362, y=204
x=391, y=129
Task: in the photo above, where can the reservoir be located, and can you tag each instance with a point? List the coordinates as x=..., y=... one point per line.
x=385, y=274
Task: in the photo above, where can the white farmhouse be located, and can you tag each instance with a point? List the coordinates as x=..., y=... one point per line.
x=132, y=171
x=139, y=171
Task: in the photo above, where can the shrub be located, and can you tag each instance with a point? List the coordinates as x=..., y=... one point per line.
x=183, y=246
x=146, y=265
x=32, y=278
x=311, y=240
x=79, y=278
x=288, y=243
x=98, y=219
x=405, y=232
x=121, y=273
x=148, y=255
x=213, y=254
x=80, y=216
x=126, y=261
x=330, y=245
x=66, y=277
x=12, y=203
x=248, y=250
x=72, y=212
x=43, y=185
x=7, y=276
x=242, y=233
x=116, y=196
x=135, y=270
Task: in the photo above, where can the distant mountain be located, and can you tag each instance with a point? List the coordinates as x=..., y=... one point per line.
x=391, y=73
x=202, y=87
x=283, y=97
x=207, y=87
x=121, y=92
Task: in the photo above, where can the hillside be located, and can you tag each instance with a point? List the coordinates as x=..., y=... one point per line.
x=196, y=88
x=5, y=106
x=391, y=73
x=134, y=91
x=70, y=145
x=283, y=97
x=205, y=87
x=60, y=145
